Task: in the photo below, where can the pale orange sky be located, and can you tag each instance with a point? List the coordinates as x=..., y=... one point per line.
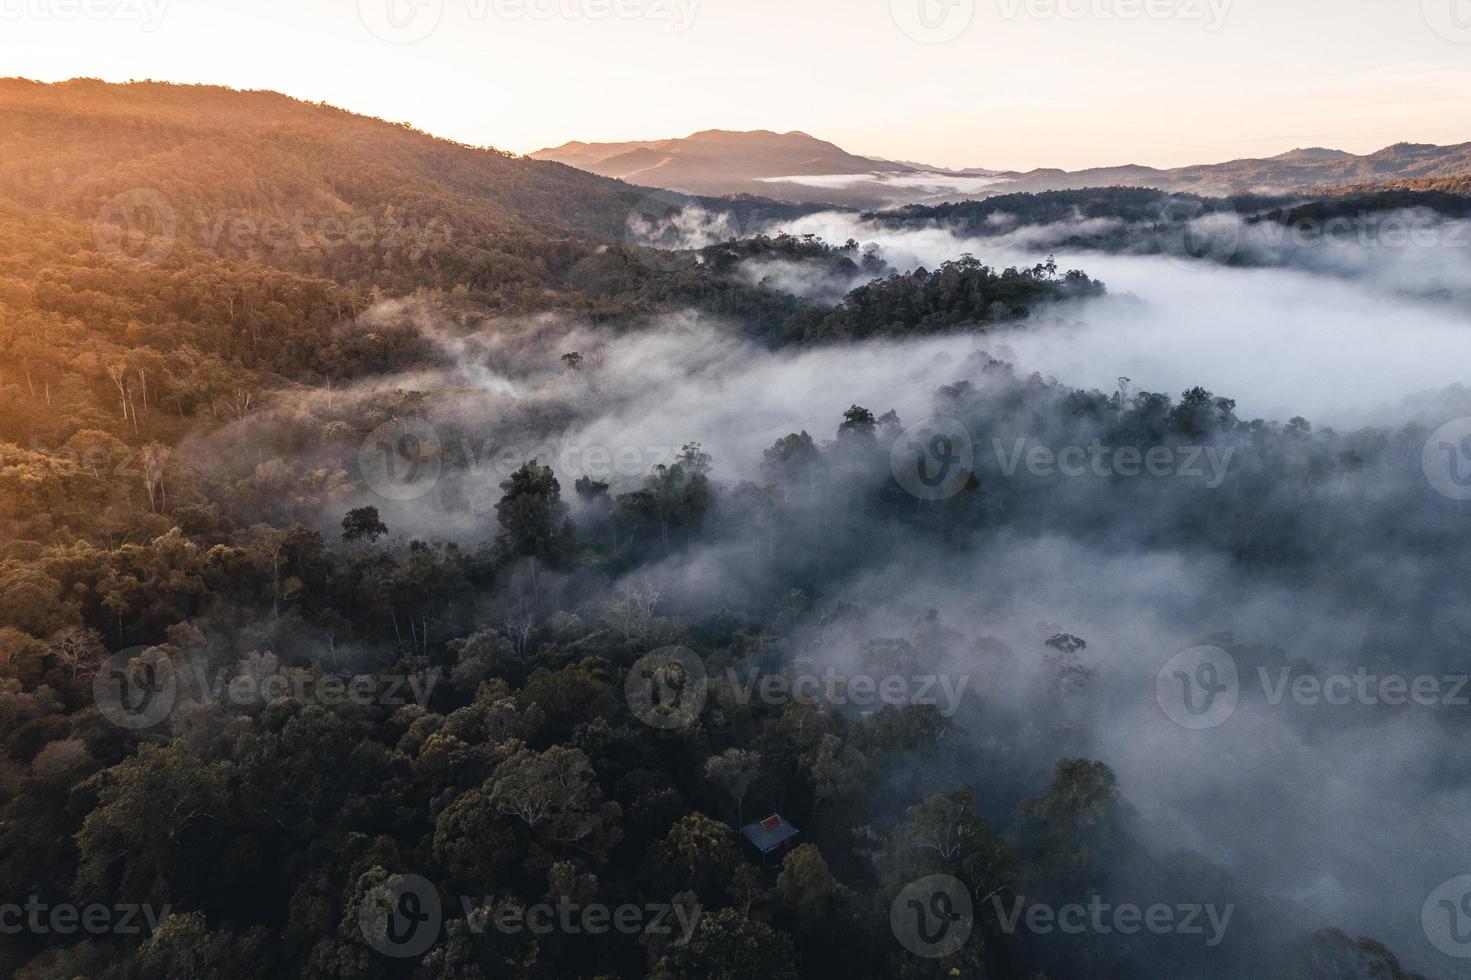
x=1008, y=84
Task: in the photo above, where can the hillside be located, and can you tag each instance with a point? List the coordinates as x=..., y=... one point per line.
x=197, y=250
x=70, y=147
x=201, y=173
x=1460, y=185
x=306, y=187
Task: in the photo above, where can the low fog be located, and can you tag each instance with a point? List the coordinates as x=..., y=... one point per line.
x=1340, y=334
x=1327, y=816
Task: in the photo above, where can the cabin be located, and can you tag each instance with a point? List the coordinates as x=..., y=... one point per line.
x=770, y=834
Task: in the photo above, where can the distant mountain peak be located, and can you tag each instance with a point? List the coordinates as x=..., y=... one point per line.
x=1312, y=153
x=719, y=161
x=797, y=166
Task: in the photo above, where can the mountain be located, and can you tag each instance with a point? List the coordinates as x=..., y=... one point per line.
x=795, y=167
x=305, y=188
x=1295, y=171
x=222, y=244
x=70, y=147
x=722, y=162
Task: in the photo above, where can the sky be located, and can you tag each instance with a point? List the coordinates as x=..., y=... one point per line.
x=1002, y=84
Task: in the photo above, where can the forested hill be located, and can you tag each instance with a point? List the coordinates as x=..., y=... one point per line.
x=309, y=188
x=70, y=147
x=194, y=249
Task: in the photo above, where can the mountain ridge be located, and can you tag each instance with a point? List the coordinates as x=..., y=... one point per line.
x=760, y=160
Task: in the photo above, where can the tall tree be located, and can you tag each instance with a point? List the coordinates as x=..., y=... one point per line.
x=533, y=518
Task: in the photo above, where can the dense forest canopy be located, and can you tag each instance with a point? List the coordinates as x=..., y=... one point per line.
x=259, y=479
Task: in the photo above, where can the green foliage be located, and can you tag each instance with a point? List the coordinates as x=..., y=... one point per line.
x=532, y=517
x=730, y=946
x=363, y=524
x=130, y=516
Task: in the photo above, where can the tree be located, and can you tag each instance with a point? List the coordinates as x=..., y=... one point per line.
x=837, y=771
x=480, y=656
x=66, y=755
x=858, y=423
x=474, y=839
x=1331, y=954
x=533, y=518
x=1070, y=673
x=943, y=834
x=1078, y=820
x=672, y=497
x=363, y=524
x=791, y=460
x=734, y=770
x=590, y=490
x=144, y=841
x=154, y=458
x=631, y=615
x=79, y=650
x=567, y=698
x=698, y=855
x=185, y=948
x=727, y=945
x=806, y=885
x=556, y=795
